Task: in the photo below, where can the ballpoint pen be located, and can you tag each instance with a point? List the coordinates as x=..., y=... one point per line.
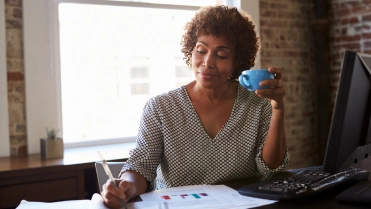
x=109, y=173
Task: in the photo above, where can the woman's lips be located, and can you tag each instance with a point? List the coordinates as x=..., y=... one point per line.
x=206, y=75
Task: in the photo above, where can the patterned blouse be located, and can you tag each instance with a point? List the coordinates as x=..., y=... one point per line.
x=173, y=148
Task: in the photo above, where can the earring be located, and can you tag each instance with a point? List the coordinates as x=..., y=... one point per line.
x=232, y=76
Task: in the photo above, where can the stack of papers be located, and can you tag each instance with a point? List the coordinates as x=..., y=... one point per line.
x=186, y=197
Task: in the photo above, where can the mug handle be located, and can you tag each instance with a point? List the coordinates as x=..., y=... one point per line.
x=245, y=82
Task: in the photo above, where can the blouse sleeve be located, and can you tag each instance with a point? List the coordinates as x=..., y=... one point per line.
x=146, y=157
x=263, y=131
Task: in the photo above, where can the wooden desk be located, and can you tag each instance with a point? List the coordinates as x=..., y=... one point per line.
x=327, y=200
x=69, y=178
x=322, y=201
x=74, y=177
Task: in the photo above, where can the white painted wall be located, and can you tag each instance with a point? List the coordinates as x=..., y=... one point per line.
x=252, y=7
x=4, y=116
x=40, y=74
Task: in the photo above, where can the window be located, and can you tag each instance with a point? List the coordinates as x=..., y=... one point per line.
x=98, y=62
x=112, y=60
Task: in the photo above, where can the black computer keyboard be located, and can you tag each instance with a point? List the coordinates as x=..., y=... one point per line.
x=303, y=182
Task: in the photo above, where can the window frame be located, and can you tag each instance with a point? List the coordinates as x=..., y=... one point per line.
x=42, y=73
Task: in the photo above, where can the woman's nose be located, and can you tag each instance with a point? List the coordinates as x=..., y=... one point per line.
x=209, y=61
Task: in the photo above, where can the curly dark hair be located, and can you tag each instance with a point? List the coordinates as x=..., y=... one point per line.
x=236, y=26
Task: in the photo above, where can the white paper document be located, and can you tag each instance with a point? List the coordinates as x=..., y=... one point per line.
x=203, y=196
x=73, y=204
x=96, y=202
x=187, y=197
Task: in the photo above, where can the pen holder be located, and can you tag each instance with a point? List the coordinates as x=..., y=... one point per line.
x=51, y=148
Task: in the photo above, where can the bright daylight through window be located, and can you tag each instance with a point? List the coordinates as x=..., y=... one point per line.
x=112, y=60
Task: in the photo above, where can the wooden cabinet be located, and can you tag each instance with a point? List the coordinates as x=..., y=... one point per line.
x=33, y=179
x=34, y=186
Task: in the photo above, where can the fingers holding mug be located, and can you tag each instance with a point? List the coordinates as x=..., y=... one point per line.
x=276, y=72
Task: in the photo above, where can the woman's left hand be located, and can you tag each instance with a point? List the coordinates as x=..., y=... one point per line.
x=276, y=93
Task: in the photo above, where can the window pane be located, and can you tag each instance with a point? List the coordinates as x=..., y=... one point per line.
x=139, y=72
x=140, y=88
x=113, y=59
x=179, y=2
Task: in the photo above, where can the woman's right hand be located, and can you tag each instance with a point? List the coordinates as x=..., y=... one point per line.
x=112, y=196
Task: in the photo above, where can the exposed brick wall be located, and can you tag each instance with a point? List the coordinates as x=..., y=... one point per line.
x=15, y=77
x=287, y=43
x=350, y=28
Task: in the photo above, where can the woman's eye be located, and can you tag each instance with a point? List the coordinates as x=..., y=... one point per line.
x=201, y=52
x=221, y=55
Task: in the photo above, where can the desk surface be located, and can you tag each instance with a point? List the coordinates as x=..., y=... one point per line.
x=320, y=201
x=81, y=158
x=327, y=200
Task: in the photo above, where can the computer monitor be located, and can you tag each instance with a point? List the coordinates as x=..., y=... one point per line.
x=350, y=133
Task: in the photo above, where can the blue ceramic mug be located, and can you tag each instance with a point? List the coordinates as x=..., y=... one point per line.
x=250, y=79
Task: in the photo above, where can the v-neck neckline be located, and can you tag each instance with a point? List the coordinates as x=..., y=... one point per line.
x=199, y=120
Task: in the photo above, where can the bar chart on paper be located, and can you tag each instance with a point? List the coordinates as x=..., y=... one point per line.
x=186, y=197
x=191, y=196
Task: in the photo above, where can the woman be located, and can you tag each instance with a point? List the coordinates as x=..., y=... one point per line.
x=212, y=129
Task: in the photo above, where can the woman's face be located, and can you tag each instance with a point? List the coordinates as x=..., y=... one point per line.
x=212, y=61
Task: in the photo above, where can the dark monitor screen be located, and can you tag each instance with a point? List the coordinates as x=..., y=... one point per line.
x=350, y=133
